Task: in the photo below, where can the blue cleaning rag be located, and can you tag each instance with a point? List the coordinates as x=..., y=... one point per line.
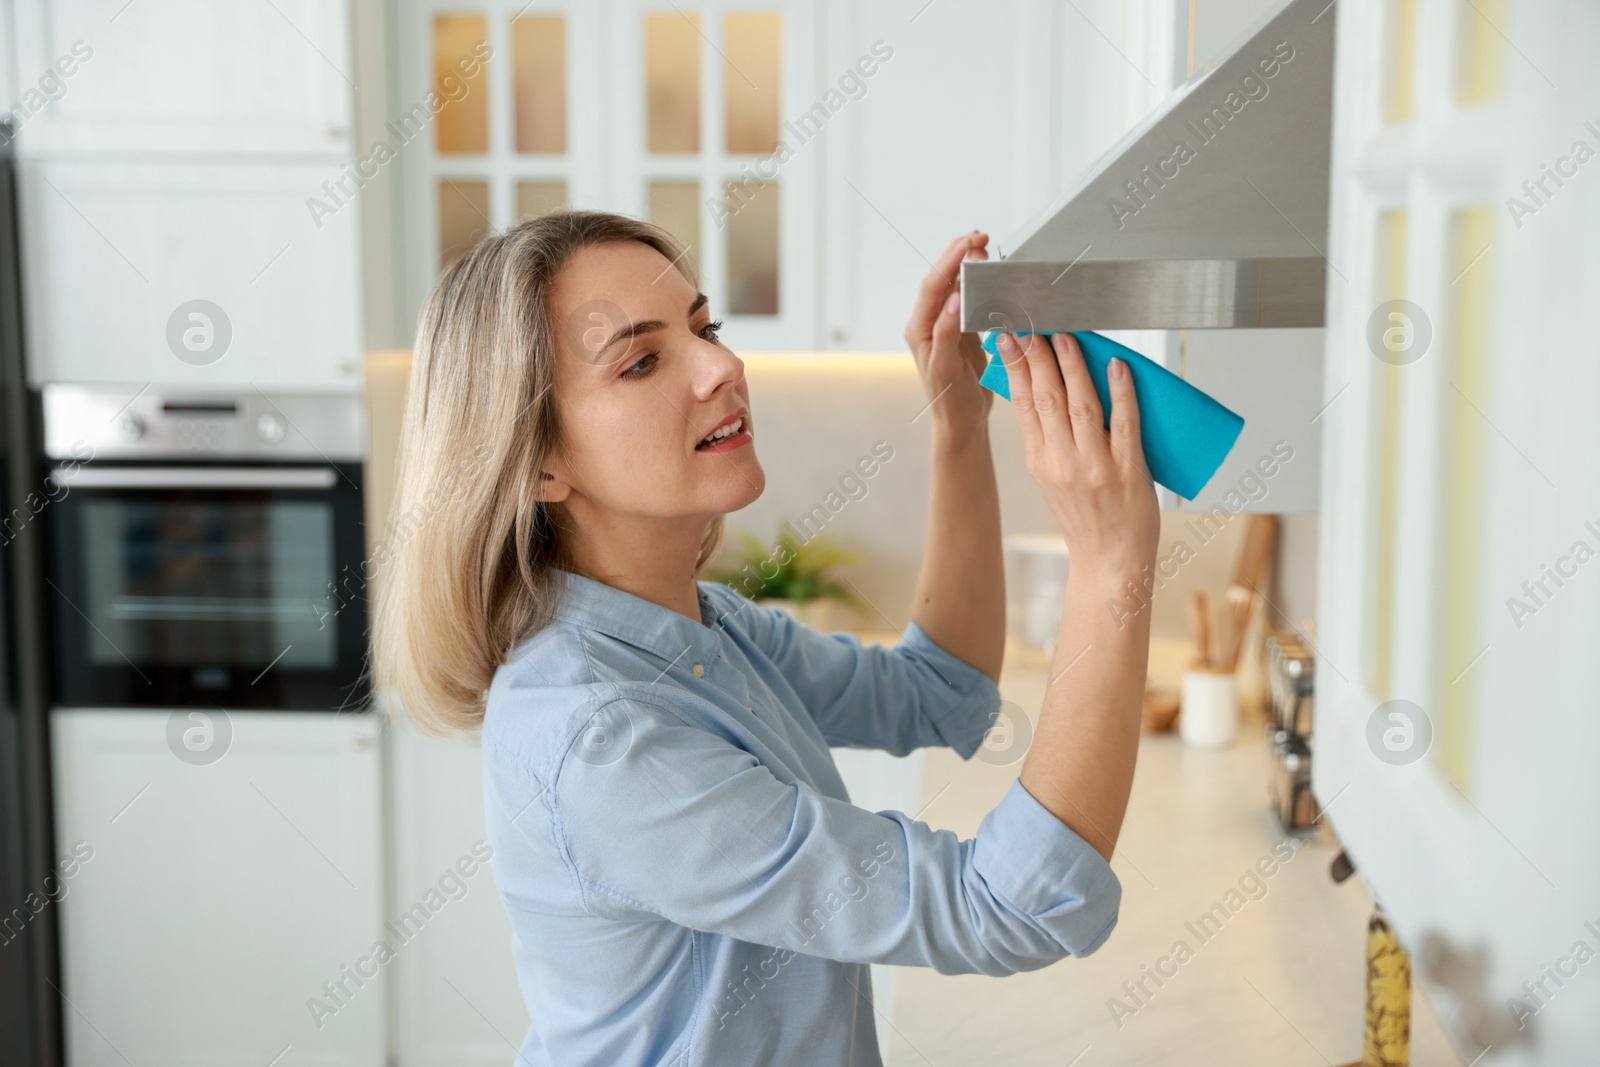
x=1185, y=432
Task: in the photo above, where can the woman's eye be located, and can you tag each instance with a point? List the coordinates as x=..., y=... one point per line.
x=711, y=330
x=645, y=365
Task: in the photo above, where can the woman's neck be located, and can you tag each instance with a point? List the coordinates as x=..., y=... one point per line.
x=654, y=559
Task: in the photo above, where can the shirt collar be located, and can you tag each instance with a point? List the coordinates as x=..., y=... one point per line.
x=640, y=622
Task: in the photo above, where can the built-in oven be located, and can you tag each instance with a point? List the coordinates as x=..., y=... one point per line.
x=215, y=760
x=205, y=549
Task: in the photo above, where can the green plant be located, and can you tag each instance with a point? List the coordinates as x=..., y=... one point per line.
x=790, y=570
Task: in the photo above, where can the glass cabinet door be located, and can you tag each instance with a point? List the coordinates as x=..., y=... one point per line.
x=694, y=117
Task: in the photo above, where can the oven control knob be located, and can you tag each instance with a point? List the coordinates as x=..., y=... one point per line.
x=271, y=427
x=132, y=428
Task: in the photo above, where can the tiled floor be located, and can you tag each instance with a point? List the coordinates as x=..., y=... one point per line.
x=1280, y=984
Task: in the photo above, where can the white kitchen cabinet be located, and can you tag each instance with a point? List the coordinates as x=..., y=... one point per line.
x=755, y=212
x=461, y=168
x=906, y=124
x=113, y=253
x=939, y=144
x=213, y=77
x=1457, y=614
x=978, y=120
x=457, y=1002
x=214, y=898
x=189, y=150
x=8, y=59
x=558, y=114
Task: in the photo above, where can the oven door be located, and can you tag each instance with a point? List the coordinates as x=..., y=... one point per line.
x=219, y=586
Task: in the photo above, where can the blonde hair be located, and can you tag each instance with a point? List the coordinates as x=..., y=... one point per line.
x=467, y=571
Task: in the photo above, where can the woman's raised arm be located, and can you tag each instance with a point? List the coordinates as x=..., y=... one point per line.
x=1080, y=765
x=960, y=597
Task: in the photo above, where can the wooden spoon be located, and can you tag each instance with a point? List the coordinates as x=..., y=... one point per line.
x=1199, y=611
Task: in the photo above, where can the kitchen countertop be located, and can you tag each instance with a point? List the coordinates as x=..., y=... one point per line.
x=1280, y=984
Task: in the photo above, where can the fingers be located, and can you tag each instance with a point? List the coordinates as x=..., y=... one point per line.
x=1049, y=393
x=1083, y=404
x=947, y=324
x=1020, y=386
x=1126, y=443
x=972, y=351
x=949, y=343
x=935, y=288
x=937, y=285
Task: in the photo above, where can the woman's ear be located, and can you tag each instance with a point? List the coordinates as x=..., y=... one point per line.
x=552, y=489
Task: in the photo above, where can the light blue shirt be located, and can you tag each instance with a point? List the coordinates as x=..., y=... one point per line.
x=687, y=880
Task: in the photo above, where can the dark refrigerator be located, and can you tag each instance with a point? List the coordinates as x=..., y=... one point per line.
x=29, y=960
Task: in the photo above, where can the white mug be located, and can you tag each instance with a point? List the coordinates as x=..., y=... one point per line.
x=1209, y=709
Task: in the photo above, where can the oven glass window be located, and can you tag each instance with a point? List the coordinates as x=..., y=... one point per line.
x=210, y=583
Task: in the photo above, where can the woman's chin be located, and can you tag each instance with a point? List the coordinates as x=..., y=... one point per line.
x=753, y=492
x=745, y=484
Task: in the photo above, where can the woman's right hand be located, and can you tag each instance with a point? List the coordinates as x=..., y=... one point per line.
x=1096, y=484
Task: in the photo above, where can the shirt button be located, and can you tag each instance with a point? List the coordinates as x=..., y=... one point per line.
x=699, y=670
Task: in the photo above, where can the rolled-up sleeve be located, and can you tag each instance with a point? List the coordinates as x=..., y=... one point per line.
x=681, y=823
x=908, y=696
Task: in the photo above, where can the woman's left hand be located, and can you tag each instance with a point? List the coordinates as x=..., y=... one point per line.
x=948, y=360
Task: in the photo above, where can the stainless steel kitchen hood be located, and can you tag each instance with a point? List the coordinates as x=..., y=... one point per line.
x=1211, y=213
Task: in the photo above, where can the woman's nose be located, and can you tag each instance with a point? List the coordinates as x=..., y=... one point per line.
x=715, y=368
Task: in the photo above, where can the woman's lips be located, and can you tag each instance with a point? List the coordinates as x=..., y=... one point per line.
x=728, y=444
x=731, y=432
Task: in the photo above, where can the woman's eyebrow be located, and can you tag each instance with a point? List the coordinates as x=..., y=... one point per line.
x=634, y=329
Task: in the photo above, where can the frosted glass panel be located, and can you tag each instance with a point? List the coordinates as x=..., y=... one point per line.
x=463, y=216
x=752, y=248
x=1467, y=405
x=1389, y=273
x=1399, y=60
x=1480, y=50
x=751, y=78
x=462, y=124
x=540, y=198
x=672, y=82
x=538, y=44
x=675, y=207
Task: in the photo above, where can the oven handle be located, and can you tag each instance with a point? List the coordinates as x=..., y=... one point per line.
x=196, y=477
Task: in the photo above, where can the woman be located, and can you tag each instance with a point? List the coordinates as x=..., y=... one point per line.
x=686, y=878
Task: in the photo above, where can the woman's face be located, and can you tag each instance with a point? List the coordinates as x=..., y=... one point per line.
x=641, y=382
